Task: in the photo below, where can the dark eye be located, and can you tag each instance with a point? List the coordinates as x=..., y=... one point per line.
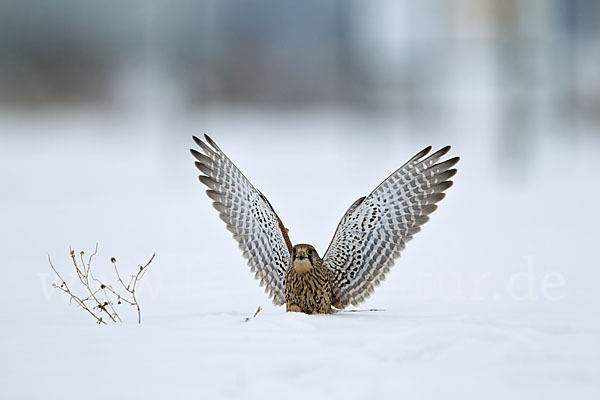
x=294, y=251
x=309, y=252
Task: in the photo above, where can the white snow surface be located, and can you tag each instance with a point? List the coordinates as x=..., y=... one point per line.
x=527, y=234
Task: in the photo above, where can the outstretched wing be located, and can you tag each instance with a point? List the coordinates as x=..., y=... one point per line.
x=248, y=215
x=375, y=228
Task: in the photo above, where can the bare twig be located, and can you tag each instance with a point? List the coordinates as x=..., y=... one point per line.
x=65, y=288
x=101, y=298
x=130, y=288
x=254, y=316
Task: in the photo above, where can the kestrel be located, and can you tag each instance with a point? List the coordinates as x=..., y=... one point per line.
x=371, y=235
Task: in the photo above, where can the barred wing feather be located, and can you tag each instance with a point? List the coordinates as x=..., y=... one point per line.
x=248, y=214
x=376, y=228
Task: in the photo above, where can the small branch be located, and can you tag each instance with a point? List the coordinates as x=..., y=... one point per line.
x=65, y=288
x=92, y=256
x=254, y=316
x=104, y=304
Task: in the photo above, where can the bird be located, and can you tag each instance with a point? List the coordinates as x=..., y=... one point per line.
x=307, y=283
x=369, y=238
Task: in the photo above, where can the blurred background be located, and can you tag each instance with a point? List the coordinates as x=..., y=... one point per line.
x=534, y=63
x=98, y=101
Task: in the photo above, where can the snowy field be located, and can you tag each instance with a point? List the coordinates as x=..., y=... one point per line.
x=497, y=297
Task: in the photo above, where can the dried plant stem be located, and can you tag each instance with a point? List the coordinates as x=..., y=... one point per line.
x=254, y=316
x=65, y=288
x=130, y=288
x=101, y=297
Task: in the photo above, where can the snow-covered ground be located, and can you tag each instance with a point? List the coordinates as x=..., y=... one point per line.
x=496, y=298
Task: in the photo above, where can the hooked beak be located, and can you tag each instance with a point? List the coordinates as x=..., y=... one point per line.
x=300, y=255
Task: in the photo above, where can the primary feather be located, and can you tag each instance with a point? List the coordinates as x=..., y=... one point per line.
x=376, y=228
x=248, y=215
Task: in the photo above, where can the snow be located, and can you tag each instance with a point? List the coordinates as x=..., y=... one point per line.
x=496, y=298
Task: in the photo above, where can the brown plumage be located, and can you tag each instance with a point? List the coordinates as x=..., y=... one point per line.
x=307, y=282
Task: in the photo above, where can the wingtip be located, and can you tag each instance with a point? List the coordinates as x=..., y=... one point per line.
x=444, y=176
x=442, y=186
x=453, y=161
x=438, y=154
x=444, y=150
x=203, y=168
x=211, y=142
x=208, y=181
x=214, y=195
x=197, y=140
x=446, y=165
x=194, y=153
x=421, y=154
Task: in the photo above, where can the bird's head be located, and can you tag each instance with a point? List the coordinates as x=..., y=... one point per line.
x=303, y=257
